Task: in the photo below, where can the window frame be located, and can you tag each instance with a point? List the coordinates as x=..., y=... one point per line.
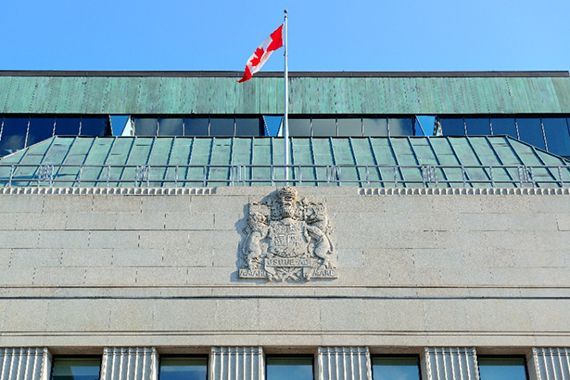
x=396, y=355
x=184, y=356
x=309, y=355
x=63, y=356
x=516, y=356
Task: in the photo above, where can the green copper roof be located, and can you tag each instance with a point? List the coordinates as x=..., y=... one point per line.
x=374, y=161
x=124, y=93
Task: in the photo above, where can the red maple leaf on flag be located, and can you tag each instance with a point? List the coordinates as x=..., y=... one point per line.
x=262, y=54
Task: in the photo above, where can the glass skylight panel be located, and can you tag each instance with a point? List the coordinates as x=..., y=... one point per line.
x=530, y=131
x=349, y=127
x=504, y=126
x=299, y=127
x=401, y=126
x=395, y=367
x=170, y=127
x=557, y=136
x=375, y=127
x=453, y=126
x=67, y=126
x=40, y=129
x=146, y=126
x=324, y=127
x=289, y=367
x=221, y=127
x=196, y=126
x=94, y=126
x=248, y=127
x=13, y=136
x=478, y=126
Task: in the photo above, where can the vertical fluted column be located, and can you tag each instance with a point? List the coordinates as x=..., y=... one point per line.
x=549, y=363
x=450, y=363
x=129, y=363
x=237, y=363
x=346, y=363
x=25, y=364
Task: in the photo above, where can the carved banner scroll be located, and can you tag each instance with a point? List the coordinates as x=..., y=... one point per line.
x=287, y=238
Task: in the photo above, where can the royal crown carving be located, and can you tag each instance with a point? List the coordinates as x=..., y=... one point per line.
x=287, y=238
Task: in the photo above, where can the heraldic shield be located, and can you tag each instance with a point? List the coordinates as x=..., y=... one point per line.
x=287, y=239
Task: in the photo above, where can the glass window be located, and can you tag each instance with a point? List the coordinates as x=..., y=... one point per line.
x=67, y=126
x=530, y=131
x=375, y=127
x=170, y=127
x=118, y=124
x=324, y=127
x=557, y=136
x=299, y=127
x=222, y=127
x=501, y=368
x=401, y=127
x=40, y=129
x=196, y=127
x=349, y=127
x=452, y=126
x=289, y=367
x=13, y=135
x=248, y=127
x=183, y=368
x=504, y=126
x=146, y=126
x=272, y=125
x=478, y=127
x=396, y=367
x=94, y=126
x=76, y=368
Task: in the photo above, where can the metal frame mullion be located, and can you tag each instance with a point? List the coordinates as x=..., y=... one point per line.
x=355, y=160
x=375, y=160
x=78, y=176
x=65, y=156
x=170, y=156
x=398, y=166
x=464, y=173
x=41, y=161
x=125, y=165
x=438, y=162
x=499, y=159
x=312, y=150
x=230, y=163
x=27, y=132
x=479, y=160
x=106, y=158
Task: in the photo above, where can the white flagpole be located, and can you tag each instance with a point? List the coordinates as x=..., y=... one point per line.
x=286, y=111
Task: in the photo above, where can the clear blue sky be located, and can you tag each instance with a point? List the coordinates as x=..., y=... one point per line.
x=324, y=35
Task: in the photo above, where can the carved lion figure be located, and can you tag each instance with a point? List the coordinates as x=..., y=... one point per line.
x=257, y=227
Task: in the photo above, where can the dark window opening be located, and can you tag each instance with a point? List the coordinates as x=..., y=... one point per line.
x=289, y=367
x=183, y=368
x=402, y=367
x=76, y=368
x=502, y=367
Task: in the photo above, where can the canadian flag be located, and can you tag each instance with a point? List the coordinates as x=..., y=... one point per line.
x=262, y=54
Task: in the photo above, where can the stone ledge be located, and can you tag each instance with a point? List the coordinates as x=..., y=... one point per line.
x=107, y=191
x=462, y=191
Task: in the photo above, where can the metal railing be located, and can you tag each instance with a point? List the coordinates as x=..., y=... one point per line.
x=17, y=175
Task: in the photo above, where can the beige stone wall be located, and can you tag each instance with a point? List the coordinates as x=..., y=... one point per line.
x=414, y=270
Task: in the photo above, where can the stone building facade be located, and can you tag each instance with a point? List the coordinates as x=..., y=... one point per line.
x=452, y=273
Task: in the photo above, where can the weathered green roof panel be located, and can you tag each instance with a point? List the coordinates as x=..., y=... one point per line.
x=363, y=161
x=356, y=93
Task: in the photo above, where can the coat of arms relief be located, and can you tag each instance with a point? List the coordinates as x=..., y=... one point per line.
x=287, y=238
